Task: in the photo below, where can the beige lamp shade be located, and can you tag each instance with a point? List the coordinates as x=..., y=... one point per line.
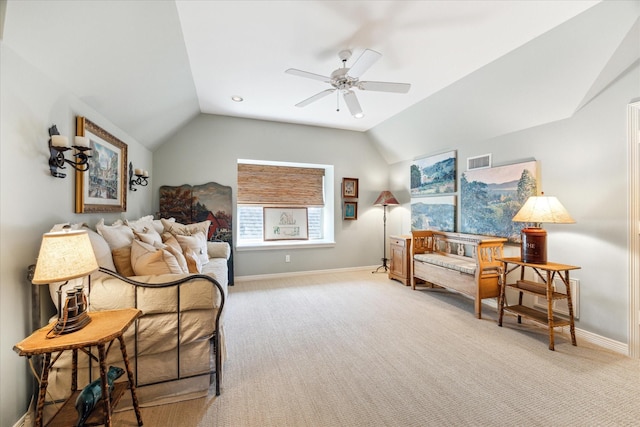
x=541, y=209
x=386, y=198
x=64, y=256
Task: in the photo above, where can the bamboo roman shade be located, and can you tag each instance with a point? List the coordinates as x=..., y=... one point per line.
x=269, y=185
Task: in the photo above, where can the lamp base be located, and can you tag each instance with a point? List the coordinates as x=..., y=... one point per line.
x=383, y=266
x=534, y=245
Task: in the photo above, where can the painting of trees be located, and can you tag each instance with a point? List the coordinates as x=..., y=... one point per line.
x=490, y=198
x=434, y=175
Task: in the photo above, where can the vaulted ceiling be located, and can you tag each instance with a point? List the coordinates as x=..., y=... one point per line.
x=151, y=66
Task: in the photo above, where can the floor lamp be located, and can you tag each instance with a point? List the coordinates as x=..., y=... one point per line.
x=386, y=198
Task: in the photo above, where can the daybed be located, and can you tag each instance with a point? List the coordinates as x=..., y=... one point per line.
x=177, y=347
x=465, y=263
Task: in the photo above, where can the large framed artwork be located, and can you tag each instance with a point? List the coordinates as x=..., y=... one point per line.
x=434, y=213
x=285, y=223
x=491, y=197
x=434, y=175
x=102, y=188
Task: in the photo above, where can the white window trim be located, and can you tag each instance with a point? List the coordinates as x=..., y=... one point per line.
x=328, y=211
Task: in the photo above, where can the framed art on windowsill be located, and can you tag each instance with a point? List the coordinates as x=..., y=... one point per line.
x=103, y=187
x=285, y=223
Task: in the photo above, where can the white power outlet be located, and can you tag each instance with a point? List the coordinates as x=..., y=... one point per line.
x=287, y=258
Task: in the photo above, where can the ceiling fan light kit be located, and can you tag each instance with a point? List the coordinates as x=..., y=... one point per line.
x=344, y=79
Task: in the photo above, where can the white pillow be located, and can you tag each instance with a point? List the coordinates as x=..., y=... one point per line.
x=149, y=235
x=176, y=228
x=176, y=252
x=197, y=243
x=117, y=235
x=147, y=260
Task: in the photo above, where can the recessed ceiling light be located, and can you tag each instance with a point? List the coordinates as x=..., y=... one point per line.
x=358, y=115
x=237, y=98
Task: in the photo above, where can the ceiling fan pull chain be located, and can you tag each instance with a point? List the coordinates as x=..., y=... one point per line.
x=338, y=101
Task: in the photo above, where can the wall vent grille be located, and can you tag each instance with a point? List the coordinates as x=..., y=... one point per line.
x=479, y=162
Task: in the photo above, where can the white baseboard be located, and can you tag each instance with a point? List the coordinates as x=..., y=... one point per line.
x=599, y=340
x=301, y=273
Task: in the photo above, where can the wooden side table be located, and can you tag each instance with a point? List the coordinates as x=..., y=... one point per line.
x=400, y=266
x=104, y=328
x=544, y=289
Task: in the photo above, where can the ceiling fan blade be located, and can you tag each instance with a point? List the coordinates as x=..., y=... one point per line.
x=315, y=98
x=364, y=61
x=352, y=103
x=308, y=75
x=385, y=87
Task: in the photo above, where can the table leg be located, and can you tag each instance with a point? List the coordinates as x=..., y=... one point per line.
x=501, y=299
x=550, y=310
x=132, y=386
x=44, y=382
x=106, y=396
x=572, y=328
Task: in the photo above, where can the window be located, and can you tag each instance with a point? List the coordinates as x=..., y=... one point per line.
x=263, y=184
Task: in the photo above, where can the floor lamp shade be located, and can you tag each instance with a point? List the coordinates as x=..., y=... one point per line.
x=538, y=210
x=386, y=198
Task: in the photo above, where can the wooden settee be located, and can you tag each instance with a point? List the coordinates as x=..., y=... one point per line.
x=465, y=263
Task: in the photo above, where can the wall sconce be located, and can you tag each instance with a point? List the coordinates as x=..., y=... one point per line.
x=142, y=177
x=58, y=144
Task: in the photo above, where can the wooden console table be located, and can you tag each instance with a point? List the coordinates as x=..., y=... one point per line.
x=544, y=289
x=104, y=328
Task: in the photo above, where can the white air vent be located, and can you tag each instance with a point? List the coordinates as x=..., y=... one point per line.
x=479, y=162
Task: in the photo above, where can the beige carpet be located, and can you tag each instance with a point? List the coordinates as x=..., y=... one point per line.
x=356, y=349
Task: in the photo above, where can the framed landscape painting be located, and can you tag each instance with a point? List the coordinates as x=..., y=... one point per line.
x=103, y=187
x=491, y=197
x=434, y=175
x=434, y=213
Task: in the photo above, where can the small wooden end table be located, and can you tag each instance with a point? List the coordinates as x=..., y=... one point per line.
x=544, y=289
x=104, y=328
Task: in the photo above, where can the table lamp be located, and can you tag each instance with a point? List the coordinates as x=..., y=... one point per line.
x=538, y=210
x=63, y=256
x=386, y=198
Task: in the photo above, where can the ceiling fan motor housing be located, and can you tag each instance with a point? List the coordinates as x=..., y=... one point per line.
x=340, y=79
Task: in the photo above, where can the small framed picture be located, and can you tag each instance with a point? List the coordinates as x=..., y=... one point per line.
x=350, y=210
x=350, y=188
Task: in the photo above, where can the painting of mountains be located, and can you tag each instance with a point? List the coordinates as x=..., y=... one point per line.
x=491, y=197
x=434, y=213
x=434, y=175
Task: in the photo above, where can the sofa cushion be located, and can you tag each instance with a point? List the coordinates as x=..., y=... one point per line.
x=457, y=264
x=176, y=252
x=149, y=235
x=176, y=228
x=148, y=260
x=193, y=261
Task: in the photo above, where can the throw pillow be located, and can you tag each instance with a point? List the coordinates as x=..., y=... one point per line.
x=149, y=236
x=197, y=243
x=122, y=260
x=148, y=260
x=193, y=261
x=117, y=236
x=182, y=262
x=176, y=228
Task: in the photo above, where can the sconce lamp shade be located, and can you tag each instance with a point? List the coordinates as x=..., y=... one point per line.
x=538, y=210
x=64, y=256
x=386, y=198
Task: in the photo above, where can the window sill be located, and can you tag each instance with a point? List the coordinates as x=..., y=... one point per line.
x=284, y=244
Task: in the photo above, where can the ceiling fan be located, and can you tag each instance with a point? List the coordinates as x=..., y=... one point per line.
x=344, y=79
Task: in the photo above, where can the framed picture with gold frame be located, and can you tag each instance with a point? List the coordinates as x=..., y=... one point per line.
x=350, y=188
x=103, y=187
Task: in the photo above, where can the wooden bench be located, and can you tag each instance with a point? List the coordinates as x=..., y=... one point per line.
x=466, y=263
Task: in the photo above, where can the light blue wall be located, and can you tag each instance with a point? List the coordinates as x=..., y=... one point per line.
x=33, y=201
x=208, y=148
x=583, y=161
